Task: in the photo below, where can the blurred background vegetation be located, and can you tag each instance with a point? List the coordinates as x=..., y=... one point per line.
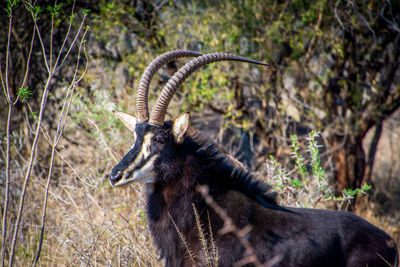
x=334, y=69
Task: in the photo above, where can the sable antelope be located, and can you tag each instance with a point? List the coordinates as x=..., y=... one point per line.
x=172, y=162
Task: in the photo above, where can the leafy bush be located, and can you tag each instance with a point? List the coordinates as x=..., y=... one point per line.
x=307, y=184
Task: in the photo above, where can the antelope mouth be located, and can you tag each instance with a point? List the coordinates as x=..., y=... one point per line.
x=145, y=174
x=118, y=178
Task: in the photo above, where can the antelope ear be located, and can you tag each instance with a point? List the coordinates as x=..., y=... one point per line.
x=180, y=126
x=128, y=120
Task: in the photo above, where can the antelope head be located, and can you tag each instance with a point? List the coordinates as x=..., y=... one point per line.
x=152, y=137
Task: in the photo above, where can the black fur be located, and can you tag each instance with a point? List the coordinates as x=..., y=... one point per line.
x=300, y=237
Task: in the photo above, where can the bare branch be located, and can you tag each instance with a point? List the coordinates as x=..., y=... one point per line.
x=337, y=15
x=241, y=234
x=57, y=68
x=382, y=15
x=34, y=17
x=103, y=139
x=27, y=64
x=30, y=165
x=66, y=37
x=57, y=137
x=7, y=192
x=6, y=88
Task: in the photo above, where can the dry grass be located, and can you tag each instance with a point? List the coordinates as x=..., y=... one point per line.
x=90, y=223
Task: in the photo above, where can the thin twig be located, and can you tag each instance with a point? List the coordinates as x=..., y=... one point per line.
x=57, y=68
x=337, y=15
x=7, y=193
x=7, y=89
x=28, y=172
x=43, y=104
x=66, y=36
x=27, y=64
x=51, y=34
x=76, y=81
x=43, y=48
x=3, y=85
x=382, y=15
x=103, y=139
x=10, y=106
x=54, y=145
x=33, y=149
x=57, y=137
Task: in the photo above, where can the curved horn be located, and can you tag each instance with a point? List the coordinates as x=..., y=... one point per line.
x=158, y=113
x=142, y=110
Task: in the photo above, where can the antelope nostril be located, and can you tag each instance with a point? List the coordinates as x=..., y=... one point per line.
x=115, y=175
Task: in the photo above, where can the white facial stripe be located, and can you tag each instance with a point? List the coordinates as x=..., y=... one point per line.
x=145, y=174
x=146, y=144
x=134, y=139
x=143, y=154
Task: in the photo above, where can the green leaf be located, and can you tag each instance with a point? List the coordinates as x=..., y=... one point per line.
x=86, y=12
x=24, y=93
x=296, y=183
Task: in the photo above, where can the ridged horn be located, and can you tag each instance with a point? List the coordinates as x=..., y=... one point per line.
x=142, y=109
x=158, y=113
